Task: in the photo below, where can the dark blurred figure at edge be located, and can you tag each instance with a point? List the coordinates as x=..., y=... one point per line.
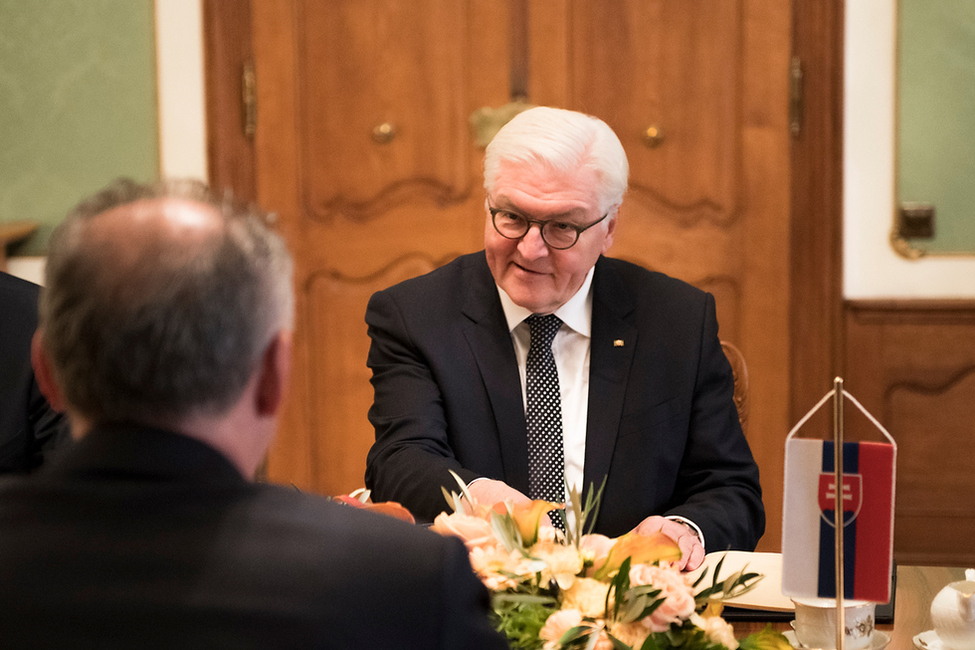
x=30, y=430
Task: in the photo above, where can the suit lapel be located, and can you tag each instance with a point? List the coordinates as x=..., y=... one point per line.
x=487, y=334
x=612, y=346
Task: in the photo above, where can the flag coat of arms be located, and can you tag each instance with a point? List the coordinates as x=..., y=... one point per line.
x=809, y=521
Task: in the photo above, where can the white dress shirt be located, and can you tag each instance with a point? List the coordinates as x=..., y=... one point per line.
x=571, y=348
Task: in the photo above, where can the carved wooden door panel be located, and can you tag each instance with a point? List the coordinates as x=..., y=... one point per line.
x=697, y=92
x=365, y=151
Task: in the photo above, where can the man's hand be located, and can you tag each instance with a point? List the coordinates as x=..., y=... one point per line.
x=692, y=551
x=487, y=492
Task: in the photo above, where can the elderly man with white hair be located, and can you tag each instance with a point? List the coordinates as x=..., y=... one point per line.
x=540, y=363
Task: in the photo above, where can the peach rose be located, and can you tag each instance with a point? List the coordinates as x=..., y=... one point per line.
x=588, y=596
x=549, y=534
x=562, y=563
x=596, y=547
x=558, y=624
x=678, y=595
x=495, y=566
x=473, y=530
x=632, y=634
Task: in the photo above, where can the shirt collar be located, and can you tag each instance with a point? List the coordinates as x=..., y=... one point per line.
x=576, y=312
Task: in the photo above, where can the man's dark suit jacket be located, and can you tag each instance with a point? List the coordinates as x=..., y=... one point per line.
x=139, y=538
x=662, y=425
x=29, y=428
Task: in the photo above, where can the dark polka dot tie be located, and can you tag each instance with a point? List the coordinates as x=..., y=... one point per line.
x=546, y=463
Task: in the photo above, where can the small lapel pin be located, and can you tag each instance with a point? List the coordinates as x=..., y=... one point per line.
x=618, y=343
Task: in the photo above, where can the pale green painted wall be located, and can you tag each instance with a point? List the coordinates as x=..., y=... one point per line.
x=936, y=117
x=77, y=104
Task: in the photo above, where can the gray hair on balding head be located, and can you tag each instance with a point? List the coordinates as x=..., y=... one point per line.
x=565, y=141
x=149, y=328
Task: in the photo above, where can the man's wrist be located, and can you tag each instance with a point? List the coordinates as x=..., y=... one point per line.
x=687, y=523
x=479, y=478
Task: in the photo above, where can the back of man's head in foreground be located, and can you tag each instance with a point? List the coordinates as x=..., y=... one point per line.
x=160, y=303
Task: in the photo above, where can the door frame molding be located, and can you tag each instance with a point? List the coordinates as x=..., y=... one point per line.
x=816, y=214
x=227, y=47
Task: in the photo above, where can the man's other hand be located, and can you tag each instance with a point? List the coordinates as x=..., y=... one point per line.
x=487, y=492
x=692, y=551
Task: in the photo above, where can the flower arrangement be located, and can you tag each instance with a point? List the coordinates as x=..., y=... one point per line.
x=581, y=590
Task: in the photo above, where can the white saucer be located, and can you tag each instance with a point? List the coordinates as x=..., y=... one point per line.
x=878, y=641
x=928, y=641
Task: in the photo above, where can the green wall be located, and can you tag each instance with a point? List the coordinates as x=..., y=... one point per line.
x=936, y=117
x=77, y=104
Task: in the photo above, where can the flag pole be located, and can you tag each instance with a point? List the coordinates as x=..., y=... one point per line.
x=838, y=506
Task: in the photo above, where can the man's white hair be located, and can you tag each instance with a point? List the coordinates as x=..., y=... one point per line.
x=564, y=141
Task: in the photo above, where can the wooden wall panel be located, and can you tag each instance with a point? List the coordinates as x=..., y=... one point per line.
x=678, y=67
x=912, y=364
x=682, y=73
x=366, y=65
x=341, y=379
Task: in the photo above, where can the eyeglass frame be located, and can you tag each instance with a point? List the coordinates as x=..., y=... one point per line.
x=541, y=227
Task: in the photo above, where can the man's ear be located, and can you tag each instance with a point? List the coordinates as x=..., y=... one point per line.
x=44, y=373
x=275, y=372
x=611, y=228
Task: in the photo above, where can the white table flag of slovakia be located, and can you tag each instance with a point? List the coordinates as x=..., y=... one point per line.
x=809, y=521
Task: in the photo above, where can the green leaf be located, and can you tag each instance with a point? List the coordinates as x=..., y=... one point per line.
x=735, y=585
x=652, y=643
x=574, y=634
x=591, y=511
x=506, y=531
x=454, y=500
x=717, y=571
x=617, y=644
x=507, y=597
x=767, y=639
x=632, y=609
x=651, y=608
x=521, y=619
x=585, y=515
x=618, y=587
x=640, y=602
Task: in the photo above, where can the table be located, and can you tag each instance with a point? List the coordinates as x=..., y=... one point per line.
x=916, y=588
x=10, y=233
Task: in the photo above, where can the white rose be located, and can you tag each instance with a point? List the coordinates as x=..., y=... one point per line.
x=717, y=629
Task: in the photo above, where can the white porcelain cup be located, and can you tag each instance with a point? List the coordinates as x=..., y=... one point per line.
x=953, y=615
x=816, y=623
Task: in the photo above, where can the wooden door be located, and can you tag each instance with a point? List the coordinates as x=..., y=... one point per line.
x=364, y=150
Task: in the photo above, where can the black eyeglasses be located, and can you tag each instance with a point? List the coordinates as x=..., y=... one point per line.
x=559, y=235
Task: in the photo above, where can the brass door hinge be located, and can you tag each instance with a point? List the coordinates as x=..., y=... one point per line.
x=795, y=96
x=248, y=92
